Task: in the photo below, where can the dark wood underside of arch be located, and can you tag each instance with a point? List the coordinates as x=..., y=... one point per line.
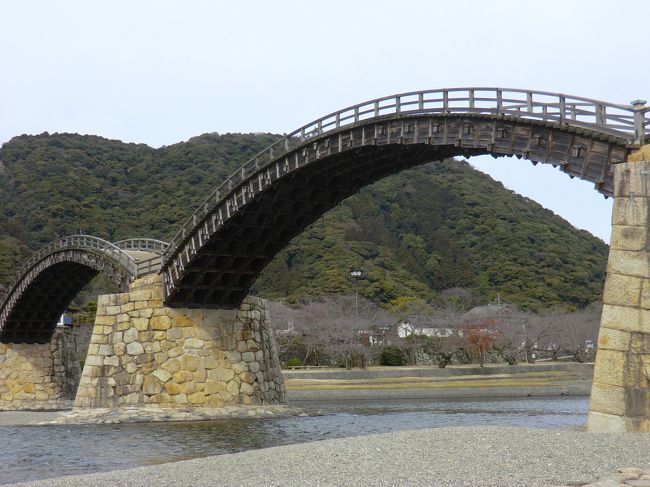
x=216, y=266
x=34, y=317
x=227, y=265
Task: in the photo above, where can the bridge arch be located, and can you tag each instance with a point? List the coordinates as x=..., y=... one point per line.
x=51, y=278
x=220, y=250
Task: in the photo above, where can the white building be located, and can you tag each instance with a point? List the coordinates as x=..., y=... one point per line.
x=405, y=329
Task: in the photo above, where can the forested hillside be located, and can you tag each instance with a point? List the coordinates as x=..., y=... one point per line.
x=417, y=233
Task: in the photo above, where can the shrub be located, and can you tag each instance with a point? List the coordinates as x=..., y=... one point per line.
x=294, y=362
x=392, y=355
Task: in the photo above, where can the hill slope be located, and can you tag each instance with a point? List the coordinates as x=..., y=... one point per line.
x=439, y=226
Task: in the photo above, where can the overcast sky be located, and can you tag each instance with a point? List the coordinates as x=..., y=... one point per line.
x=160, y=72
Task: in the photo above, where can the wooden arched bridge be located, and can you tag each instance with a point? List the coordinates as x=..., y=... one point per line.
x=54, y=275
x=217, y=254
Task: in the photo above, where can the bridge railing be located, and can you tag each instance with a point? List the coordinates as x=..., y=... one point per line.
x=625, y=121
x=615, y=119
x=151, y=245
x=82, y=242
x=144, y=244
x=148, y=266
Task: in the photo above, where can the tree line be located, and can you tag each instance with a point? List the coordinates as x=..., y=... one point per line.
x=341, y=331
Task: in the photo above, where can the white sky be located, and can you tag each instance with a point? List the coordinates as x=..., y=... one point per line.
x=160, y=72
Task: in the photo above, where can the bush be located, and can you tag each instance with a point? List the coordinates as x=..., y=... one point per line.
x=352, y=359
x=392, y=355
x=294, y=362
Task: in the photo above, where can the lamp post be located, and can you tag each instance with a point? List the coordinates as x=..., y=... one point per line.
x=356, y=275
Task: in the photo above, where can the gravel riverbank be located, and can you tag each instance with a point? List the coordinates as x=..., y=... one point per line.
x=462, y=456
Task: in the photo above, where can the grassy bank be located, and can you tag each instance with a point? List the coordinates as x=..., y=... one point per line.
x=463, y=381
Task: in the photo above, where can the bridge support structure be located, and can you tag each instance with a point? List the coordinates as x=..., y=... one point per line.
x=143, y=353
x=620, y=397
x=39, y=375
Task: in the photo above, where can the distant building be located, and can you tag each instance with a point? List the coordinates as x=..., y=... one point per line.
x=488, y=312
x=65, y=320
x=406, y=329
x=428, y=326
x=289, y=330
x=377, y=335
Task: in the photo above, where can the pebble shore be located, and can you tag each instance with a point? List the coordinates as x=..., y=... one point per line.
x=461, y=456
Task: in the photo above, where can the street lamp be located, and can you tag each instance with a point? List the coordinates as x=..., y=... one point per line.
x=356, y=275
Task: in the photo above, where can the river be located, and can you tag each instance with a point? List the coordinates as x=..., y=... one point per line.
x=37, y=452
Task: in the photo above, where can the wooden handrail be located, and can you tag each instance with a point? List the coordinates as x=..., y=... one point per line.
x=145, y=244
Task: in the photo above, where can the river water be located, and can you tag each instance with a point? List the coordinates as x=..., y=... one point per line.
x=37, y=452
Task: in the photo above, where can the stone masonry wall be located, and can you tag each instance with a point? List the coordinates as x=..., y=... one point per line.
x=82, y=334
x=144, y=353
x=620, y=397
x=39, y=376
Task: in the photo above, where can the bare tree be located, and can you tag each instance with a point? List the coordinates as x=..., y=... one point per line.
x=459, y=299
x=572, y=331
x=412, y=313
x=548, y=334
x=329, y=329
x=282, y=317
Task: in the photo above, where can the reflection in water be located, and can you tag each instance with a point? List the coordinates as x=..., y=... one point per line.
x=36, y=452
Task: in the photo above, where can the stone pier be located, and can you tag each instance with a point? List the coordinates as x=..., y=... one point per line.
x=142, y=352
x=39, y=376
x=620, y=397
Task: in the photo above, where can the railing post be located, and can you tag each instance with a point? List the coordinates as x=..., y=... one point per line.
x=445, y=99
x=499, y=100
x=420, y=101
x=398, y=104
x=562, y=108
x=601, y=114
x=639, y=121
x=471, y=99
x=529, y=101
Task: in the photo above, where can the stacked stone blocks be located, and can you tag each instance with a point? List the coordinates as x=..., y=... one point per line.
x=620, y=399
x=142, y=352
x=39, y=376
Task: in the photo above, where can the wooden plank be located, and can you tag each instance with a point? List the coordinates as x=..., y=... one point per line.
x=585, y=164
